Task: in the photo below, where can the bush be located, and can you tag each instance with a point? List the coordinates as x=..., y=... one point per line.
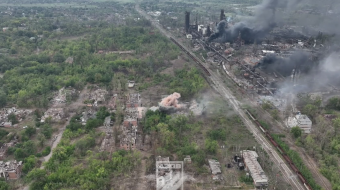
x=46, y=130
x=29, y=131
x=296, y=131
x=211, y=146
x=102, y=113
x=218, y=134
x=3, y=133
x=46, y=151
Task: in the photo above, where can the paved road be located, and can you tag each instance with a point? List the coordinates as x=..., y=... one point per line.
x=289, y=176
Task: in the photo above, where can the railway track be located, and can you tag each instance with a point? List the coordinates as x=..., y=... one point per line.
x=192, y=57
x=215, y=83
x=282, y=152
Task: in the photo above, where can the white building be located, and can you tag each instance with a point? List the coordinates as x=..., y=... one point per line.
x=301, y=121
x=254, y=168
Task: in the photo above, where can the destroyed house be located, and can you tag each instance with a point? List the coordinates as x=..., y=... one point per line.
x=112, y=103
x=215, y=169
x=10, y=170
x=133, y=101
x=301, y=121
x=55, y=113
x=255, y=170
x=4, y=148
x=131, y=117
x=128, y=138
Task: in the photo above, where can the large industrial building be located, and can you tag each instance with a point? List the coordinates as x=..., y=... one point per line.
x=301, y=121
x=254, y=168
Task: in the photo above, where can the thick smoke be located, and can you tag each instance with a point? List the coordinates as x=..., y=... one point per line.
x=171, y=100
x=319, y=16
x=320, y=76
x=300, y=61
x=254, y=29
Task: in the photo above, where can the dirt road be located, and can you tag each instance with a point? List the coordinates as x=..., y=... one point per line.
x=73, y=106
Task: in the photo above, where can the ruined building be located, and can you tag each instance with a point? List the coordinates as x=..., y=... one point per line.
x=10, y=170
x=301, y=121
x=254, y=168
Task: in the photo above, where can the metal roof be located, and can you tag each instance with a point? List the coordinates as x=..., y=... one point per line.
x=255, y=169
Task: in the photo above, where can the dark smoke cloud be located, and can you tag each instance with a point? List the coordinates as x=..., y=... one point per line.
x=321, y=77
x=319, y=16
x=300, y=61
x=254, y=29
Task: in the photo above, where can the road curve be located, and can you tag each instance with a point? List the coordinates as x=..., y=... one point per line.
x=288, y=175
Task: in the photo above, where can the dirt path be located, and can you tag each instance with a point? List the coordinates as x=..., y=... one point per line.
x=72, y=106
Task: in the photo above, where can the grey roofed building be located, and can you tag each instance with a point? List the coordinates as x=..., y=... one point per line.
x=255, y=170
x=215, y=166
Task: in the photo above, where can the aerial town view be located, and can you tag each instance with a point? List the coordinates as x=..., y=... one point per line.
x=169, y=94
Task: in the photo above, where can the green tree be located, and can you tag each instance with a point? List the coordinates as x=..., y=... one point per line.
x=296, y=131
x=266, y=105
x=36, y=175
x=29, y=163
x=46, y=130
x=29, y=148
x=211, y=146
x=3, y=99
x=310, y=110
x=13, y=118
x=166, y=137
x=19, y=154
x=58, y=58
x=29, y=131
x=336, y=125
x=4, y=185
x=102, y=113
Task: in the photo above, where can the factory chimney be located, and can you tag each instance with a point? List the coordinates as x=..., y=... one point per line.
x=187, y=21
x=222, y=16
x=208, y=31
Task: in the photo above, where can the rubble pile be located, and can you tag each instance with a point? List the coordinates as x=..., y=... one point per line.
x=98, y=96
x=60, y=96
x=10, y=170
x=108, y=142
x=5, y=147
x=19, y=113
x=55, y=113
x=87, y=114
x=133, y=100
